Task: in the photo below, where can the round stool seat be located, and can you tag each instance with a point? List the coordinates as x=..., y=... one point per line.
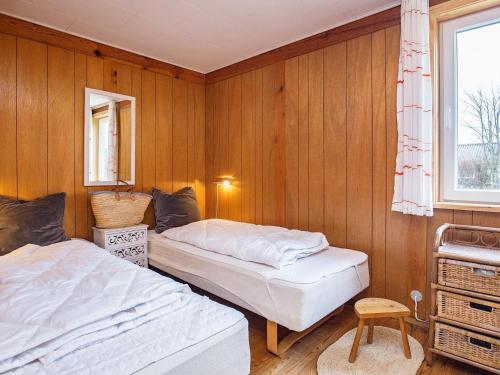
x=380, y=308
x=372, y=308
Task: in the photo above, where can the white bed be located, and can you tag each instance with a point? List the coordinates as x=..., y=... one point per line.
x=73, y=308
x=296, y=296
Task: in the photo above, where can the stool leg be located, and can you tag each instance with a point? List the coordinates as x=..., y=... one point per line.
x=369, y=340
x=404, y=337
x=357, y=338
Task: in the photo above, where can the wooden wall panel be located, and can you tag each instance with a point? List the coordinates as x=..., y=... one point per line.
x=42, y=126
x=148, y=137
x=61, y=130
x=318, y=152
x=234, y=155
x=95, y=80
x=199, y=144
x=8, y=146
x=397, y=225
x=291, y=143
x=81, y=198
x=163, y=157
x=248, y=145
x=335, y=143
x=273, y=145
x=303, y=142
x=379, y=141
x=31, y=119
x=359, y=144
x=180, y=133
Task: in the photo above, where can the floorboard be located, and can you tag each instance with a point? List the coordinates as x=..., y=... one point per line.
x=301, y=358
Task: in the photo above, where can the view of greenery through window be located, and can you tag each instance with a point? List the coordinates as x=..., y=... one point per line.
x=478, y=83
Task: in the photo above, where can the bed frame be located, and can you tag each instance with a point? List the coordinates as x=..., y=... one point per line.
x=279, y=347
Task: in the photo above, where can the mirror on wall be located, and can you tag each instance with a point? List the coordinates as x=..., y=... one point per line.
x=109, y=138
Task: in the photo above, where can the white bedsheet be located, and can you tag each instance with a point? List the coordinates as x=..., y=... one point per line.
x=274, y=246
x=73, y=308
x=296, y=296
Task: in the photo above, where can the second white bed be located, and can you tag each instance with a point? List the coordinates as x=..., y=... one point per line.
x=295, y=297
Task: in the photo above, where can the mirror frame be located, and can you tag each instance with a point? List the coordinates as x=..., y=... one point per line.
x=88, y=116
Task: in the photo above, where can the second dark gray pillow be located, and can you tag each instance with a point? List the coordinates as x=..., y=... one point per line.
x=176, y=209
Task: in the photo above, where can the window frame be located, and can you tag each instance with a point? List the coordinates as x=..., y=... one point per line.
x=448, y=11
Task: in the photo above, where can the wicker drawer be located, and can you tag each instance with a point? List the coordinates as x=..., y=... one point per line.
x=469, y=276
x=468, y=310
x=469, y=345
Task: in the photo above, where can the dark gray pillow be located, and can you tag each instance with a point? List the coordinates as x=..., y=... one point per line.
x=39, y=222
x=176, y=209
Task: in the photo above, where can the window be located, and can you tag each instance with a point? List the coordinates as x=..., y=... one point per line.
x=469, y=71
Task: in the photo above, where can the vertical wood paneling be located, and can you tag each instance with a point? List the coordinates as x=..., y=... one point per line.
x=233, y=193
x=259, y=105
x=31, y=119
x=335, y=144
x=180, y=134
x=199, y=146
x=303, y=115
x=273, y=145
x=8, y=146
x=164, y=178
x=81, y=196
x=359, y=144
x=190, y=124
x=328, y=164
x=42, y=92
x=95, y=80
x=248, y=157
x=222, y=143
x=61, y=130
x=292, y=142
x=379, y=141
x=148, y=135
x=397, y=225
x=137, y=93
x=209, y=161
x=316, y=135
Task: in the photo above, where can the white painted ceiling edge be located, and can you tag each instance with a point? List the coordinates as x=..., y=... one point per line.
x=185, y=42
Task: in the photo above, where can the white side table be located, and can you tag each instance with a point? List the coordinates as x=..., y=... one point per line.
x=130, y=243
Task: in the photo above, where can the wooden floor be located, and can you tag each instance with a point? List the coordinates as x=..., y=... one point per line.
x=301, y=358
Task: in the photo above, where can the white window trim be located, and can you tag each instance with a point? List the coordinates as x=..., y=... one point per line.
x=448, y=193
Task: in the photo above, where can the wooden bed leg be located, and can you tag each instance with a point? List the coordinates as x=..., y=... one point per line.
x=279, y=347
x=272, y=337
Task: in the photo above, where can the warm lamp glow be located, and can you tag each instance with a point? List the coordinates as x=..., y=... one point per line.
x=224, y=181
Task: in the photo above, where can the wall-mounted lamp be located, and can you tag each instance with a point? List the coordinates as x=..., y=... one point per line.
x=225, y=181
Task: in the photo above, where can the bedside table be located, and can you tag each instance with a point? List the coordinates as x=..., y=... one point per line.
x=130, y=243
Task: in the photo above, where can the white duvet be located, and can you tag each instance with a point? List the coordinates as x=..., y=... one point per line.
x=274, y=246
x=64, y=308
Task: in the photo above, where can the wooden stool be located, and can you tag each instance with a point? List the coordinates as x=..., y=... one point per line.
x=372, y=308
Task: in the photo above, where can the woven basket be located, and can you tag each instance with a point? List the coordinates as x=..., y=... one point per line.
x=118, y=209
x=468, y=310
x=469, y=345
x=470, y=276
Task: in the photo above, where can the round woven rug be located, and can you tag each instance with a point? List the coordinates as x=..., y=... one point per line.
x=384, y=356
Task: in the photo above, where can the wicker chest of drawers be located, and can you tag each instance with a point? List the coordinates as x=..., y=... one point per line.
x=130, y=243
x=465, y=306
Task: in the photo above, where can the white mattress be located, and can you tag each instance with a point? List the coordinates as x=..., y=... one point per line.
x=225, y=353
x=72, y=308
x=296, y=296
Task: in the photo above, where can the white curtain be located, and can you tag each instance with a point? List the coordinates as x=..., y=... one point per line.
x=112, y=164
x=413, y=177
